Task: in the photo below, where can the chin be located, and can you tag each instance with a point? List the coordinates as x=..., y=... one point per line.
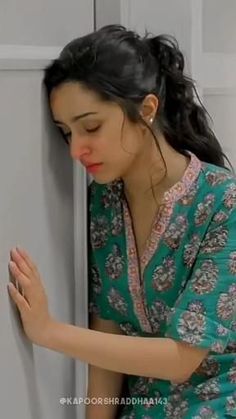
x=103, y=180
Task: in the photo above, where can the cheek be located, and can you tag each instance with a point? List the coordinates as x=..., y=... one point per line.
x=123, y=155
x=129, y=145
x=120, y=147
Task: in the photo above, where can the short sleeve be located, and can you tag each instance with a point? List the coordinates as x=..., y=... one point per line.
x=204, y=312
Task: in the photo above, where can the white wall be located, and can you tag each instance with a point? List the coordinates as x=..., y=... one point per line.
x=161, y=16
x=216, y=68
x=219, y=29
x=31, y=22
x=37, y=206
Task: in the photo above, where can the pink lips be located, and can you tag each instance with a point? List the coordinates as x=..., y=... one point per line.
x=94, y=168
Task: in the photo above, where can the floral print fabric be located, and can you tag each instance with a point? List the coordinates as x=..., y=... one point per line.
x=183, y=287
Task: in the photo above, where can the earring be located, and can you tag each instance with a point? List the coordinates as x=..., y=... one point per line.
x=151, y=120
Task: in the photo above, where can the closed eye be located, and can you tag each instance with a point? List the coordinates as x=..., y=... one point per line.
x=67, y=135
x=88, y=130
x=94, y=129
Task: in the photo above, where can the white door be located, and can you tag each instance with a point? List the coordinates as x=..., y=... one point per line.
x=214, y=65
x=37, y=206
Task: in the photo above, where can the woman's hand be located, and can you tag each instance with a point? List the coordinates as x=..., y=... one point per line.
x=32, y=303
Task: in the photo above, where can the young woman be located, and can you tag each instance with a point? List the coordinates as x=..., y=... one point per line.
x=162, y=232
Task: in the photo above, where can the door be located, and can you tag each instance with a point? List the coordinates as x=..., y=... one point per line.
x=214, y=65
x=38, y=183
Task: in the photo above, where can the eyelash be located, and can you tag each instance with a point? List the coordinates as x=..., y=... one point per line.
x=87, y=130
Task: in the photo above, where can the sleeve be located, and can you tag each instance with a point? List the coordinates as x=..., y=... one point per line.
x=204, y=314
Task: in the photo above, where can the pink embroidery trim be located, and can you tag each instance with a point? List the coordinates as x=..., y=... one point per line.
x=135, y=278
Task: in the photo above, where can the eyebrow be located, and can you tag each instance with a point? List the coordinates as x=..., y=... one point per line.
x=75, y=118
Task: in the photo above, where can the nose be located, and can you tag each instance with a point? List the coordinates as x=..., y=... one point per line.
x=79, y=151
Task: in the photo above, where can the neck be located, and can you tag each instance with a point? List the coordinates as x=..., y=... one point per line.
x=149, y=169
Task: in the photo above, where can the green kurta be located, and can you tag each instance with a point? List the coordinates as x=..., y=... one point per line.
x=183, y=288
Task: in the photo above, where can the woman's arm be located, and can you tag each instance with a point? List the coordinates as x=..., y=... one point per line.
x=103, y=383
x=162, y=358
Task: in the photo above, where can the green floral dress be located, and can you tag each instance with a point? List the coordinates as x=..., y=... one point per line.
x=184, y=287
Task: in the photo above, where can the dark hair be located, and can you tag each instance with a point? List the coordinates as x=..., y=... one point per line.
x=121, y=66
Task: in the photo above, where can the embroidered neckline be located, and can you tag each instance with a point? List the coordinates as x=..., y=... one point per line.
x=180, y=188
x=161, y=221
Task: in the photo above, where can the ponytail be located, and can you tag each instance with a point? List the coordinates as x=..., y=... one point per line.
x=183, y=118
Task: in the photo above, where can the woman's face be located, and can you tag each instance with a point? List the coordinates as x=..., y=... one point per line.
x=115, y=148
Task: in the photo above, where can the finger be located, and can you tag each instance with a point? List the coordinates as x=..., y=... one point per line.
x=21, y=264
x=22, y=280
x=17, y=298
x=27, y=259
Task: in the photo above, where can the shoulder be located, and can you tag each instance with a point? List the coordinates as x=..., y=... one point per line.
x=217, y=177
x=221, y=184
x=211, y=201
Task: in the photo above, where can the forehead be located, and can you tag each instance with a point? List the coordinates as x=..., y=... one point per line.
x=73, y=98
x=73, y=93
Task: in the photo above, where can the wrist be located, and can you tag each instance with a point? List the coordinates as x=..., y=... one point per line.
x=49, y=333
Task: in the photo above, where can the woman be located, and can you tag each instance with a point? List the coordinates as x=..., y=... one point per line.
x=162, y=224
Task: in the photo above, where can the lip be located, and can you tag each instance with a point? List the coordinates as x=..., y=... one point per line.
x=94, y=167
x=93, y=164
x=89, y=164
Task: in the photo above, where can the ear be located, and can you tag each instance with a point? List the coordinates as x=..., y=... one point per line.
x=149, y=108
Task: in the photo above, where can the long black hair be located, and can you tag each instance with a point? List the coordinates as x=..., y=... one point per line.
x=121, y=66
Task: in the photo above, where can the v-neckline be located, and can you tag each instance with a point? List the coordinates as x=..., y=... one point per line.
x=133, y=229
x=163, y=214
x=135, y=266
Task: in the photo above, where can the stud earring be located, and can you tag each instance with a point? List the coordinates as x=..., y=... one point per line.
x=151, y=120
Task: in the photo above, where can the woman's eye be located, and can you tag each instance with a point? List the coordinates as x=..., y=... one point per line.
x=67, y=135
x=93, y=130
